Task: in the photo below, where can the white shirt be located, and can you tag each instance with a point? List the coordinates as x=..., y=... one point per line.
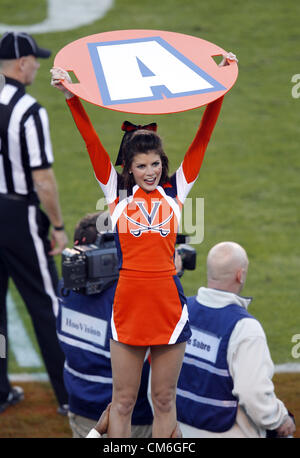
x=251, y=368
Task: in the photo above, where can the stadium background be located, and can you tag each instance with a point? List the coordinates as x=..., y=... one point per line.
x=249, y=179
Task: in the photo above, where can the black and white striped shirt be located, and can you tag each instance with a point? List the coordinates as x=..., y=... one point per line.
x=25, y=143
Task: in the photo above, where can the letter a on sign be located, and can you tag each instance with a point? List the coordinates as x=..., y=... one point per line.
x=149, y=68
x=146, y=71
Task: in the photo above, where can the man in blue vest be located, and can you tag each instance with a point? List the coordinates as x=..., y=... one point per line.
x=225, y=387
x=83, y=328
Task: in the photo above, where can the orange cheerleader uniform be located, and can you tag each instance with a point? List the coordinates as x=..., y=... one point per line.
x=149, y=306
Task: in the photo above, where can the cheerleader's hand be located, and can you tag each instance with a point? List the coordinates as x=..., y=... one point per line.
x=57, y=76
x=177, y=432
x=226, y=58
x=102, y=424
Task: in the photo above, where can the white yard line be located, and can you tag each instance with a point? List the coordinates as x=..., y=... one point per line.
x=19, y=341
x=65, y=15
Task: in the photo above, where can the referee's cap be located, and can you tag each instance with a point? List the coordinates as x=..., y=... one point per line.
x=14, y=45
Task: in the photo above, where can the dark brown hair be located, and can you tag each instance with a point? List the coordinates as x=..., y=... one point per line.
x=86, y=229
x=142, y=141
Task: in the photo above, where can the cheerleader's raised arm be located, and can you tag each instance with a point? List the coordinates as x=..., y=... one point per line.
x=194, y=157
x=189, y=169
x=99, y=157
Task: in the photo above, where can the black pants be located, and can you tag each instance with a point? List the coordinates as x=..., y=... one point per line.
x=24, y=246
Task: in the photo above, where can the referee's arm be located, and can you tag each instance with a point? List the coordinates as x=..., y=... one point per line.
x=46, y=188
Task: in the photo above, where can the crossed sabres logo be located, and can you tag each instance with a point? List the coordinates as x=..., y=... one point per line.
x=150, y=218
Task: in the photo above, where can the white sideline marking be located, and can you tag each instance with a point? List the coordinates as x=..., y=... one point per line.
x=27, y=356
x=43, y=377
x=20, y=343
x=34, y=377
x=287, y=367
x=66, y=15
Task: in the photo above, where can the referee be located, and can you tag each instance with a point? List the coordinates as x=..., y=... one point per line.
x=27, y=179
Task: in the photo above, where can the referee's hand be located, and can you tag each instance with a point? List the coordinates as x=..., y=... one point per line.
x=59, y=241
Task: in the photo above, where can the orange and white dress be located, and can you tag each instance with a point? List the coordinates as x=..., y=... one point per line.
x=149, y=306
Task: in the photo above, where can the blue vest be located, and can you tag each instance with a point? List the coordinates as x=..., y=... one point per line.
x=83, y=327
x=204, y=390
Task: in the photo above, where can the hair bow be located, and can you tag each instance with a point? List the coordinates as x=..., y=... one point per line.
x=128, y=127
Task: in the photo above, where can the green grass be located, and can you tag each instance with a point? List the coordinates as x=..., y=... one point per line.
x=23, y=12
x=250, y=176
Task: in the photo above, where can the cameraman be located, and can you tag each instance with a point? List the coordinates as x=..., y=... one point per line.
x=83, y=326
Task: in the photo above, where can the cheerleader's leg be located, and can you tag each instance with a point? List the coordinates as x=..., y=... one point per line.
x=166, y=362
x=127, y=364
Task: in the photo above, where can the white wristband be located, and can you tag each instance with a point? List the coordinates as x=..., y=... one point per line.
x=93, y=434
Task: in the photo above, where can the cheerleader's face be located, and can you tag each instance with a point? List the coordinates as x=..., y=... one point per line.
x=146, y=169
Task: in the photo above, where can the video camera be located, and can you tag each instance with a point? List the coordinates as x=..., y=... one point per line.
x=90, y=269
x=187, y=252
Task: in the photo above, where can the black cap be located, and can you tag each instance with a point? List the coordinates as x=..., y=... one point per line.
x=14, y=45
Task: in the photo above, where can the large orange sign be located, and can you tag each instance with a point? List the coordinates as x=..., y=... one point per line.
x=146, y=71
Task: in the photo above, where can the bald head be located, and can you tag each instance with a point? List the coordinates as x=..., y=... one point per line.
x=6, y=64
x=23, y=69
x=227, y=266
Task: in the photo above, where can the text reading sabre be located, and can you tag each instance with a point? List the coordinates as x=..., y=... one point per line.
x=199, y=344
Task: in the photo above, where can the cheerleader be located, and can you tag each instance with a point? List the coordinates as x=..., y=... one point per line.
x=149, y=309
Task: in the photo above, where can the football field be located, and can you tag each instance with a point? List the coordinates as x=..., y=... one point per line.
x=250, y=176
